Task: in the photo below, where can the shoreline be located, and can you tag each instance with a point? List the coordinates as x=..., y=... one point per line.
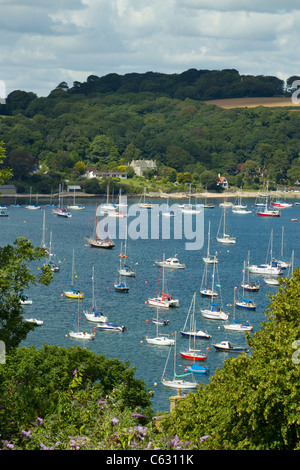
x=161, y=195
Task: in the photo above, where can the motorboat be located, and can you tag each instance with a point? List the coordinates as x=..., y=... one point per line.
x=172, y=263
x=110, y=326
x=34, y=321
x=227, y=346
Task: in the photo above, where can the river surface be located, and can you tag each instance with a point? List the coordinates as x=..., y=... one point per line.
x=57, y=312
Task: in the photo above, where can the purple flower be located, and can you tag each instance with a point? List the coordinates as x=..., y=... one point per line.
x=39, y=420
x=114, y=421
x=142, y=431
x=137, y=415
x=26, y=433
x=8, y=445
x=102, y=402
x=75, y=371
x=203, y=438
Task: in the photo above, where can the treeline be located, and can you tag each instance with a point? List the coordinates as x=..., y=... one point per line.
x=106, y=122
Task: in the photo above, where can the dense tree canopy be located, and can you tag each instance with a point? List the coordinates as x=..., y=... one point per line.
x=108, y=121
x=253, y=403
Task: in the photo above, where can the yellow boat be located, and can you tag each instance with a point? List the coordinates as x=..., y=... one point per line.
x=73, y=293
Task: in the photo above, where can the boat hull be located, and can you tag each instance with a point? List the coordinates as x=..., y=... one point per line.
x=193, y=355
x=195, y=334
x=74, y=295
x=81, y=335
x=161, y=341
x=159, y=302
x=182, y=384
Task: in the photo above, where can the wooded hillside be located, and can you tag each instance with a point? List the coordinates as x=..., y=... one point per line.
x=108, y=121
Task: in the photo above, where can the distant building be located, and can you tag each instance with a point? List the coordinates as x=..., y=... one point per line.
x=140, y=166
x=74, y=187
x=8, y=189
x=223, y=183
x=92, y=173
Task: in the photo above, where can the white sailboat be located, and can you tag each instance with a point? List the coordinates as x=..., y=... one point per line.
x=209, y=259
x=94, y=315
x=32, y=206
x=177, y=381
x=160, y=340
x=74, y=206
x=77, y=333
x=239, y=207
x=143, y=203
x=167, y=212
x=125, y=269
x=222, y=236
x=164, y=300
x=267, y=268
x=192, y=332
x=206, y=291
x=245, y=303
x=247, y=285
x=215, y=311
x=189, y=208
x=237, y=325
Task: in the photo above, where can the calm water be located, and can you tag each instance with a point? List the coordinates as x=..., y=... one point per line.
x=252, y=233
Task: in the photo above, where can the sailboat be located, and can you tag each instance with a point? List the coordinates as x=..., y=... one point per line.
x=54, y=267
x=177, y=381
x=75, y=206
x=282, y=263
x=95, y=241
x=167, y=212
x=125, y=269
x=189, y=208
x=239, y=207
x=209, y=259
x=215, y=311
x=267, y=212
x=76, y=333
x=94, y=315
x=267, y=268
x=160, y=340
x=32, y=206
x=193, y=353
x=192, y=332
x=224, y=238
x=249, y=286
x=237, y=325
x=73, y=293
x=164, y=300
x=143, y=203
x=204, y=290
x=120, y=285
x=61, y=211
x=245, y=303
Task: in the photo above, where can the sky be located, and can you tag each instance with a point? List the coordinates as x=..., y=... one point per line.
x=45, y=42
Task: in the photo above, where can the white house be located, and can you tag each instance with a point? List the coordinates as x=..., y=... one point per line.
x=223, y=183
x=92, y=173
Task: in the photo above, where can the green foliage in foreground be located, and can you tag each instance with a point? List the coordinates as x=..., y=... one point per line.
x=253, y=403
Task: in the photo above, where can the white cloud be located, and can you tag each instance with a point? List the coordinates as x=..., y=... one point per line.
x=46, y=42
